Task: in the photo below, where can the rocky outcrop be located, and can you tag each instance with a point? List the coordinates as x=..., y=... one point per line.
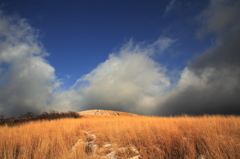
x=105, y=112
x=107, y=150
x=98, y=112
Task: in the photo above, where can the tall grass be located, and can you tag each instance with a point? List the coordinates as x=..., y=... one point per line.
x=155, y=137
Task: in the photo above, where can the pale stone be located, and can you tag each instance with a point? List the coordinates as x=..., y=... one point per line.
x=202, y=157
x=107, y=145
x=135, y=157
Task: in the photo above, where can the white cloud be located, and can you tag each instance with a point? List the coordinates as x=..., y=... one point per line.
x=26, y=79
x=128, y=80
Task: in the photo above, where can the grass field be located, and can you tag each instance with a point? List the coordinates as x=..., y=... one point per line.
x=215, y=137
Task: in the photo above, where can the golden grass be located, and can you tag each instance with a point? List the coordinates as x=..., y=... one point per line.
x=155, y=137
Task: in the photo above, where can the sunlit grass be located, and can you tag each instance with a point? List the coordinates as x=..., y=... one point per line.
x=154, y=137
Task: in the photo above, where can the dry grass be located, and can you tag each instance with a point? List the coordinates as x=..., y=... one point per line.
x=154, y=137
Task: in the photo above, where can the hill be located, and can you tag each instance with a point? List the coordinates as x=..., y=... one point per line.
x=88, y=113
x=123, y=136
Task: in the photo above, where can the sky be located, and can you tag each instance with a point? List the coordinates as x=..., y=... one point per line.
x=150, y=57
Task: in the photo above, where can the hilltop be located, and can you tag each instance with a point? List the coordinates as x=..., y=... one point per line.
x=90, y=113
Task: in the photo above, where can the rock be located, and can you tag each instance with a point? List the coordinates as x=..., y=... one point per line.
x=113, y=150
x=97, y=112
x=93, y=137
x=90, y=147
x=136, y=157
x=90, y=137
x=107, y=145
x=124, y=150
x=202, y=157
x=105, y=113
x=111, y=155
x=133, y=149
x=80, y=141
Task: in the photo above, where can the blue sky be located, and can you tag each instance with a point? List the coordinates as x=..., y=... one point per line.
x=81, y=34
x=84, y=39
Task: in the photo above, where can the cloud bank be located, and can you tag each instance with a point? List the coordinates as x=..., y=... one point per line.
x=130, y=79
x=210, y=83
x=26, y=79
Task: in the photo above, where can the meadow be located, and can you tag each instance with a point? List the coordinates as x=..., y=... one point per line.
x=182, y=137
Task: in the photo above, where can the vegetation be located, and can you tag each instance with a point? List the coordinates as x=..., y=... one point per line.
x=30, y=116
x=183, y=137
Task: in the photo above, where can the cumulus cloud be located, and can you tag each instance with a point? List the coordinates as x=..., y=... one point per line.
x=211, y=82
x=128, y=80
x=26, y=79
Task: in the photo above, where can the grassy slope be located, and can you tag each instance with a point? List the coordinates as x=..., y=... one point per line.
x=155, y=137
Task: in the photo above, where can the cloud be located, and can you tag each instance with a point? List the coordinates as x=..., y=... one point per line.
x=26, y=79
x=210, y=83
x=128, y=80
x=170, y=6
x=219, y=17
x=162, y=44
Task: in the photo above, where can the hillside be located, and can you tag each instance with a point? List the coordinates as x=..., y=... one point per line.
x=123, y=137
